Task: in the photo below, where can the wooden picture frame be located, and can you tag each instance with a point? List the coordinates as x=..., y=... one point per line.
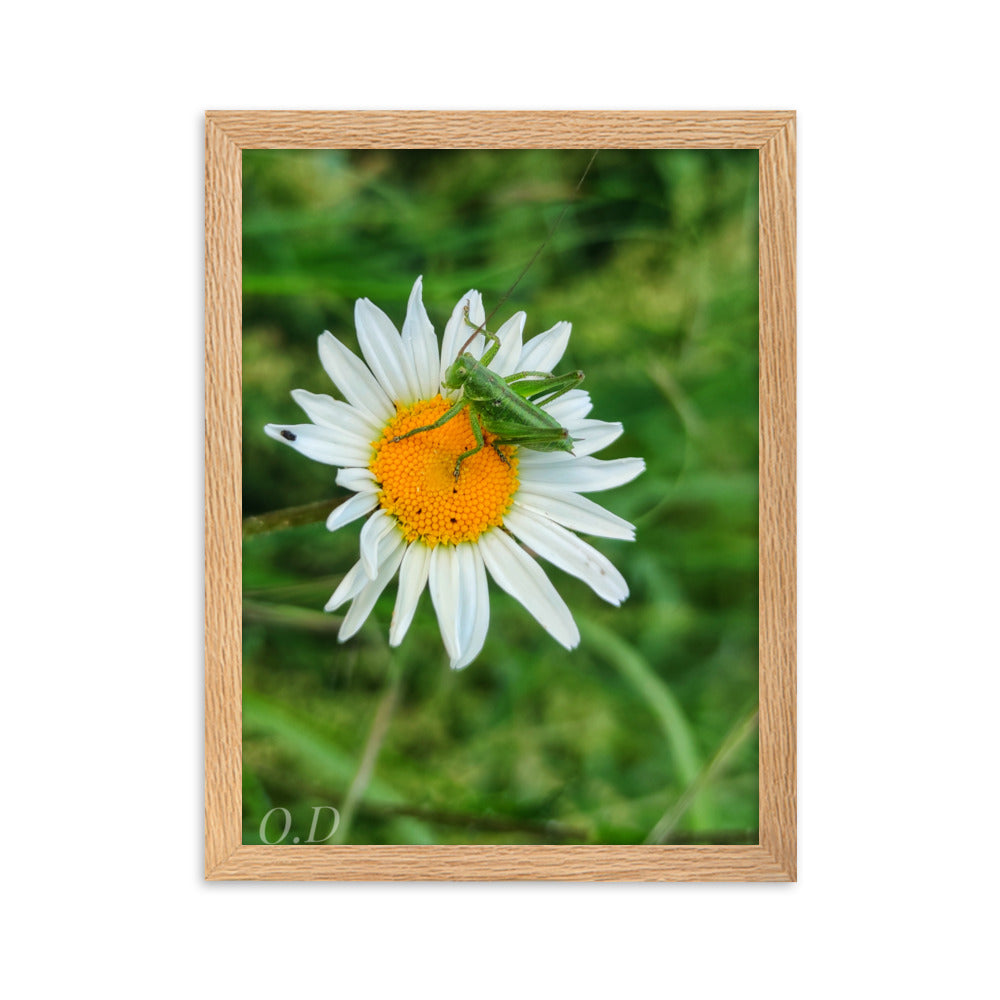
x=227, y=135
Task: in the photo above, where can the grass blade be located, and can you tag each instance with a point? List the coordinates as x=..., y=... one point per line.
x=741, y=729
x=658, y=697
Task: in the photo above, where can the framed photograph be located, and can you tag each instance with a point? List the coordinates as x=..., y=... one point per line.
x=500, y=496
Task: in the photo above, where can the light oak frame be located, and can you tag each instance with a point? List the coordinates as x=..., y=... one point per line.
x=230, y=132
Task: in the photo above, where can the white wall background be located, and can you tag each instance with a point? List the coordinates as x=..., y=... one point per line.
x=101, y=388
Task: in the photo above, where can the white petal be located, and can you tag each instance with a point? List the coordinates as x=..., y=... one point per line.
x=412, y=580
x=318, y=443
x=579, y=475
x=543, y=459
x=563, y=549
x=383, y=350
x=443, y=579
x=350, y=510
x=544, y=352
x=378, y=527
x=338, y=415
x=570, y=407
x=359, y=480
x=479, y=596
x=369, y=594
x=457, y=331
x=520, y=576
x=505, y=362
x=418, y=337
x=576, y=513
x=354, y=380
x=465, y=617
x=348, y=588
x=461, y=600
x=592, y=435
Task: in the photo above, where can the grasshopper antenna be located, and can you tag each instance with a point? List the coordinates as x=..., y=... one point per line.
x=527, y=267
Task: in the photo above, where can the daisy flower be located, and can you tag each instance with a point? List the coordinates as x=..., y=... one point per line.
x=507, y=505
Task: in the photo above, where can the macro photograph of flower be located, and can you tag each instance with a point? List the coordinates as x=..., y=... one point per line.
x=500, y=496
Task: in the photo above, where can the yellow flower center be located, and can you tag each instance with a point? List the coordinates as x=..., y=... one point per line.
x=417, y=476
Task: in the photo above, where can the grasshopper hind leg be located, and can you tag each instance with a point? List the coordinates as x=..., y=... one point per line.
x=477, y=432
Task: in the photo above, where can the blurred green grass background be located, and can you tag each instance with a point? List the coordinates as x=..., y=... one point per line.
x=647, y=728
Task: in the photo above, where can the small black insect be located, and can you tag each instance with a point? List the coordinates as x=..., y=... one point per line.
x=288, y=435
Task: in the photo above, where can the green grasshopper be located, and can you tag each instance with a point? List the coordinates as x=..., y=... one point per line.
x=508, y=408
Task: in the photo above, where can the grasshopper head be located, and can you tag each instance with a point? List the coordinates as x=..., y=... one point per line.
x=457, y=374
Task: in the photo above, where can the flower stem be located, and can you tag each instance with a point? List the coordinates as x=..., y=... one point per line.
x=289, y=517
x=376, y=735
